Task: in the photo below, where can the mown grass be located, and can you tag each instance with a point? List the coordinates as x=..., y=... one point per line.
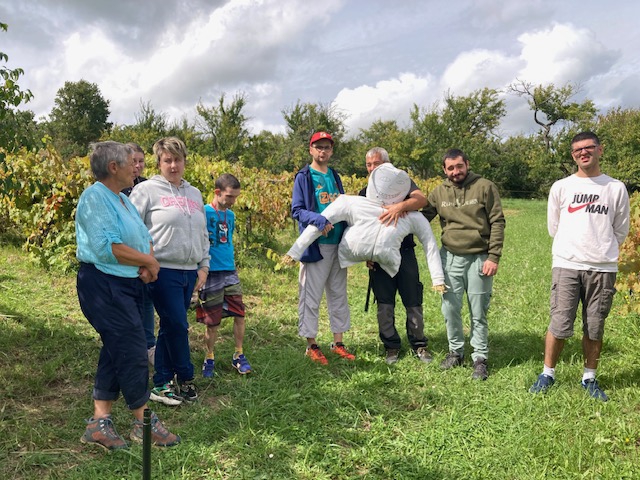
x=292, y=419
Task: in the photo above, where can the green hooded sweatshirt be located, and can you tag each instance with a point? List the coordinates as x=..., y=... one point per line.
x=470, y=216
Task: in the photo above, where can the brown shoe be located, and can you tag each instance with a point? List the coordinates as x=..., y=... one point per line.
x=480, y=371
x=160, y=436
x=101, y=432
x=392, y=355
x=423, y=354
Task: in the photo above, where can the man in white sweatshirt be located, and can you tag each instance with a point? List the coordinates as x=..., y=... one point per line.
x=588, y=218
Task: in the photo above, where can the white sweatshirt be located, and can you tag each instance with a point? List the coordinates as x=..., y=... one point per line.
x=588, y=218
x=367, y=238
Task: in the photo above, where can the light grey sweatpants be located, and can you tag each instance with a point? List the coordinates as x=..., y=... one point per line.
x=316, y=278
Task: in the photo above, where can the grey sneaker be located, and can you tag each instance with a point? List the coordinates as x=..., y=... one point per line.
x=451, y=360
x=423, y=354
x=102, y=432
x=480, y=371
x=392, y=356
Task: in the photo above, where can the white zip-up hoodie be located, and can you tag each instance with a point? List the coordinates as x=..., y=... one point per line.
x=176, y=221
x=367, y=238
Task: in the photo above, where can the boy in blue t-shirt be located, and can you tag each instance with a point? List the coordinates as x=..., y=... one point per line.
x=222, y=295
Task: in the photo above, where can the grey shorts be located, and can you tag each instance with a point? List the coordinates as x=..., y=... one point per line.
x=594, y=289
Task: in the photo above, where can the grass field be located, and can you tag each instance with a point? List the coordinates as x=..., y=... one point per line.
x=291, y=419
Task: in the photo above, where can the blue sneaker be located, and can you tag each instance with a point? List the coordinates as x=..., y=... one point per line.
x=241, y=364
x=208, y=367
x=594, y=389
x=542, y=384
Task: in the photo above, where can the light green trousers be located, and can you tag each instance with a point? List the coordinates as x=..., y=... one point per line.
x=463, y=273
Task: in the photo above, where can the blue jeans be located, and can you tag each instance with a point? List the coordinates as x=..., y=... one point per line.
x=463, y=273
x=148, y=316
x=113, y=307
x=171, y=294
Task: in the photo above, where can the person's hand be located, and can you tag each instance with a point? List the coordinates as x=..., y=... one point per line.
x=288, y=261
x=153, y=266
x=391, y=214
x=441, y=289
x=146, y=276
x=370, y=264
x=489, y=268
x=202, y=279
x=327, y=228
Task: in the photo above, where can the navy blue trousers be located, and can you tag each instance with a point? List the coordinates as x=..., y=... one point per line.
x=113, y=306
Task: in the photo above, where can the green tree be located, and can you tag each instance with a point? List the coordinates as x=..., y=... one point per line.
x=428, y=140
x=471, y=124
x=619, y=132
x=385, y=134
x=266, y=151
x=78, y=118
x=151, y=125
x=552, y=106
x=224, y=128
x=12, y=122
x=302, y=120
x=466, y=122
x=512, y=169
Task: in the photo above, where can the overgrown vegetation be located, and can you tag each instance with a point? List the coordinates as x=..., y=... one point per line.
x=292, y=419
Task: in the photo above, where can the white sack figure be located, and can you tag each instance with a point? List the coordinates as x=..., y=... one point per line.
x=366, y=237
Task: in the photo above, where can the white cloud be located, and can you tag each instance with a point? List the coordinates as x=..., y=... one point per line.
x=563, y=53
x=478, y=69
x=387, y=100
x=346, y=53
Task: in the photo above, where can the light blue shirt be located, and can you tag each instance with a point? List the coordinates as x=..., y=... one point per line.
x=221, y=225
x=102, y=220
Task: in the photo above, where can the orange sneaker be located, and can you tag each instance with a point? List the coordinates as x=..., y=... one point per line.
x=316, y=355
x=340, y=349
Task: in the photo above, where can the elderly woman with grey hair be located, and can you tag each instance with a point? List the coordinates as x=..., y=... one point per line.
x=116, y=259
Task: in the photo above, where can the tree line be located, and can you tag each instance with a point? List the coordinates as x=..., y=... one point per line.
x=521, y=165
x=44, y=168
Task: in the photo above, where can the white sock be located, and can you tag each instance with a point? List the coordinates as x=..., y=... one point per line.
x=588, y=374
x=549, y=372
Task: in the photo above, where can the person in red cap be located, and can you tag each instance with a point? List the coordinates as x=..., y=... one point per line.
x=315, y=187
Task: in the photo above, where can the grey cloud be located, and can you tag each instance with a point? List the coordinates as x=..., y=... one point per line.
x=137, y=26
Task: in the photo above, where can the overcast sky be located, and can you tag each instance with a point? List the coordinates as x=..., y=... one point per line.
x=372, y=59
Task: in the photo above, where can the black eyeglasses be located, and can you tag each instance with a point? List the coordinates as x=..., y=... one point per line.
x=323, y=148
x=588, y=148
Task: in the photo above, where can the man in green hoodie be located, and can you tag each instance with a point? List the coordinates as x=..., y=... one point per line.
x=472, y=236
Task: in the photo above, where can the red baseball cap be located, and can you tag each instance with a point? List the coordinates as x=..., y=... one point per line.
x=319, y=136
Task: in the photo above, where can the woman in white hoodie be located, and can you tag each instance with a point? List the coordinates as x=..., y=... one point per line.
x=173, y=212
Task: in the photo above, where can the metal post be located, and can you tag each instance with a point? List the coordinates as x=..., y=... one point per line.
x=146, y=445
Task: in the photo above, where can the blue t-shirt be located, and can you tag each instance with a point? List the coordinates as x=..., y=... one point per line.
x=220, y=224
x=326, y=191
x=102, y=219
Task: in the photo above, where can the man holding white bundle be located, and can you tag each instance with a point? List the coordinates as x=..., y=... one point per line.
x=367, y=238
